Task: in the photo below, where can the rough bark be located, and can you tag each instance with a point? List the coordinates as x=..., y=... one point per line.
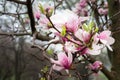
x=114, y=8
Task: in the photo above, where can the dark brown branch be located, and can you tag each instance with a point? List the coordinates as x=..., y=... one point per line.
x=43, y=53
x=19, y=2
x=12, y=14
x=14, y=34
x=31, y=16
x=39, y=36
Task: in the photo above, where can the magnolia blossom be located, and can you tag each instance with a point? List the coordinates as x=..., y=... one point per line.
x=80, y=8
x=70, y=47
x=83, y=35
x=67, y=18
x=37, y=15
x=63, y=63
x=72, y=24
x=83, y=3
x=106, y=39
x=96, y=66
x=44, y=20
x=103, y=11
x=95, y=49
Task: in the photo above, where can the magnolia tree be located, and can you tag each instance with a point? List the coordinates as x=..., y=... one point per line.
x=82, y=31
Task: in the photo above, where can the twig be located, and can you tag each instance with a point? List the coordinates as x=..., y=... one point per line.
x=49, y=75
x=19, y=2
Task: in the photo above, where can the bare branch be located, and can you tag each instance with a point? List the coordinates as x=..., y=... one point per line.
x=19, y=2
x=30, y=13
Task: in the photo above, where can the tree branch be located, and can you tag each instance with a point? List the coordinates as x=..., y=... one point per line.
x=30, y=13
x=39, y=36
x=19, y=2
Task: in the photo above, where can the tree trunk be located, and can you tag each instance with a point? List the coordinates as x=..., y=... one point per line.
x=114, y=8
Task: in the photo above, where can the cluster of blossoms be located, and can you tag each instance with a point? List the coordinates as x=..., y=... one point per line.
x=104, y=9
x=77, y=37
x=80, y=8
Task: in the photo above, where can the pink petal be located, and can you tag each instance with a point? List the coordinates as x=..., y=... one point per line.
x=107, y=32
x=70, y=57
x=94, y=52
x=78, y=34
x=54, y=61
x=96, y=49
x=103, y=41
x=57, y=68
x=82, y=19
x=110, y=40
x=62, y=56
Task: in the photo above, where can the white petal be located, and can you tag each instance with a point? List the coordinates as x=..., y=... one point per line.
x=57, y=68
x=110, y=40
x=82, y=19
x=67, y=71
x=96, y=49
x=54, y=61
x=78, y=34
x=62, y=17
x=94, y=52
x=109, y=47
x=103, y=41
x=70, y=57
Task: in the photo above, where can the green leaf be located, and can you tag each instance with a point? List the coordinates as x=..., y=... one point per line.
x=45, y=69
x=50, y=51
x=42, y=10
x=63, y=33
x=42, y=78
x=85, y=27
x=96, y=29
x=91, y=25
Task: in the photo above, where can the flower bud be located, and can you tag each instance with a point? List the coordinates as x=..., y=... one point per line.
x=96, y=66
x=37, y=15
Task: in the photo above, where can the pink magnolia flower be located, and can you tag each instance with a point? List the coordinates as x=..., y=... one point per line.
x=70, y=47
x=37, y=15
x=96, y=66
x=44, y=20
x=95, y=49
x=67, y=18
x=106, y=39
x=80, y=8
x=103, y=11
x=63, y=17
x=83, y=50
x=83, y=35
x=63, y=63
x=83, y=3
x=72, y=25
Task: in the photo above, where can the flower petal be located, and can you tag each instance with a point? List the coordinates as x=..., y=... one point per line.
x=109, y=47
x=57, y=68
x=54, y=61
x=70, y=57
x=110, y=40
